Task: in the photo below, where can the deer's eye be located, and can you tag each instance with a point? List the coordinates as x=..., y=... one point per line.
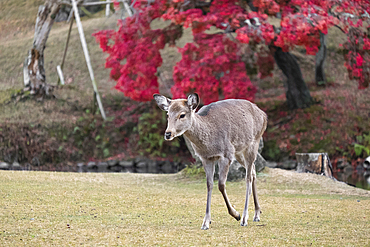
x=182, y=115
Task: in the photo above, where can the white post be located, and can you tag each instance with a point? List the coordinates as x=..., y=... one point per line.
x=87, y=57
x=107, y=10
x=60, y=73
x=127, y=7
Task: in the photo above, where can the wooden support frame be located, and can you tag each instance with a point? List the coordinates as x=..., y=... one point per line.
x=65, y=50
x=74, y=12
x=107, y=9
x=87, y=57
x=90, y=3
x=83, y=4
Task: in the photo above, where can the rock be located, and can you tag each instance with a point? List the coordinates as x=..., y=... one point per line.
x=179, y=166
x=260, y=146
x=237, y=171
x=16, y=166
x=141, y=164
x=289, y=165
x=342, y=163
x=4, y=166
x=126, y=164
x=113, y=166
x=152, y=167
x=139, y=159
x=271, y=164
x=166, y=167
x=80, y=167
x=116, y=168
x=112, y=162
x=91, y=166
x=260, y=162
x=102, y=167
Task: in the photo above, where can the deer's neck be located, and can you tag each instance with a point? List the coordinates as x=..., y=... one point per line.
x=198, y=131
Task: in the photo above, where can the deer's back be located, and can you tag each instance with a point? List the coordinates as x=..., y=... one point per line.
x=238, y=121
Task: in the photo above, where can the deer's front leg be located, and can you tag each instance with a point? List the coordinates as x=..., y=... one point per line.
x=209, y=168
x=224, y=165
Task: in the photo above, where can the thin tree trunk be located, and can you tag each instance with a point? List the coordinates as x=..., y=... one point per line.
x=33, y=67
x=297, y=93
x=320, y=61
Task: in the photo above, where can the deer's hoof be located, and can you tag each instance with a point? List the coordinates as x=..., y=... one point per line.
x=237, y=216
x=205, y=227
x=244, y=223
x=256, y=219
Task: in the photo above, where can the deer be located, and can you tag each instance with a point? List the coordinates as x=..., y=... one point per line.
x=219, y=132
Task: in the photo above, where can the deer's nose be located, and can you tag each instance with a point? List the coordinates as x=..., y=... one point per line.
x=167, y=135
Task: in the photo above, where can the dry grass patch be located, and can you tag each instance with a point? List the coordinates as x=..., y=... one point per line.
x=71, y=99
x=43, y=208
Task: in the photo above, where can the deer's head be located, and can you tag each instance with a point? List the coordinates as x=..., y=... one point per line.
x=180, y=113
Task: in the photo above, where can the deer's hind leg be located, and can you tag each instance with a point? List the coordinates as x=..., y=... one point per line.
x=224, y=164
x=257, y=208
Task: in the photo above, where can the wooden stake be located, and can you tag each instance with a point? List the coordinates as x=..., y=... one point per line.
x=87, y=56
x=60, y=73
x=66, y=48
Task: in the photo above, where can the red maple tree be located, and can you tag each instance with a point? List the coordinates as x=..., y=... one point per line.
x=213, y=64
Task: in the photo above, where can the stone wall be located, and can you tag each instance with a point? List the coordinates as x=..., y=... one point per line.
x=138, y=165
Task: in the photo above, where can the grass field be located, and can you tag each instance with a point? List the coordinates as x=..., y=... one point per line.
x=95, y=209
x=333, y=125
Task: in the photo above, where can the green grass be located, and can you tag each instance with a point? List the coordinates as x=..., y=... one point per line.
x=97, y=209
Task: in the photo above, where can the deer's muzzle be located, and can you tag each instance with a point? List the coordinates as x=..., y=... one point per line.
x=167, y=136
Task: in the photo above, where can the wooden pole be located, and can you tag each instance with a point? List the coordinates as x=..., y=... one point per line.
x=60, y=74
x=90, y=3
x=107, y=10
x=128, y=9
x=66, y=48
x=87, y=56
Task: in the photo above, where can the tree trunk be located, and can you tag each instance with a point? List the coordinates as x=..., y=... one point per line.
x=297, y=93
x=33, y=67
x=318, y=163
x=320, y=61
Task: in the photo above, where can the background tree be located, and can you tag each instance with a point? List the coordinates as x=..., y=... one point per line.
x=215, y=64
x=33, y=67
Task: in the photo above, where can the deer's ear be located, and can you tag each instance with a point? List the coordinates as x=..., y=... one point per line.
x=162, y=101
x=193, y=101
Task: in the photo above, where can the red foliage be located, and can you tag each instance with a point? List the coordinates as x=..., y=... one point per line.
x=212, y=59
x=212, y=64
x=358, y=57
